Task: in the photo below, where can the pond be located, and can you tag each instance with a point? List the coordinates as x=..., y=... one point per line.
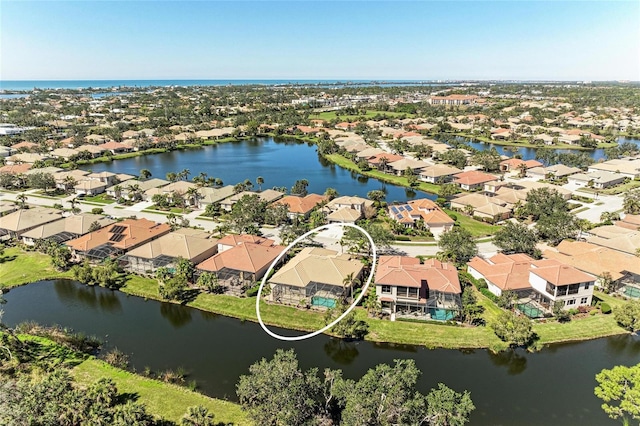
x=553, y=386
x=530, y=153
x=280, y=163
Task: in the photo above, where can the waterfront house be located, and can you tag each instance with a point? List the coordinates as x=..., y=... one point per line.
x=123, y=189
x=624, y=268
x=116, y=239
x=66, y=228
x=627, y=166
x=541, y=282
x=515, y=164
x=66, y=180
x=180, y=187
x=13, y=225
x=208, y=195
x=64, y=153
x=473, y=179
x=400, y=166
x=347, y=209
x=92, y=151
x=407, y=288
x=439, y=173
x=268, y=196
x=191, y=244
x=242, y=265
x=318, y=276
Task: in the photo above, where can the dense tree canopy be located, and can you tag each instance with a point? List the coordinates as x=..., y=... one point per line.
x=457, y=245
x=619, y=388
x=516, y=238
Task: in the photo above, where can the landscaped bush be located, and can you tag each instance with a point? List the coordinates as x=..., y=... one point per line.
x=253, y=291
x=605, y=308
x=97, y=210
x=453, y=216
x=489, y=295
x=402, y=238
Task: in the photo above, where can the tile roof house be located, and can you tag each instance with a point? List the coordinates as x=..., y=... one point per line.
x=597, y=260
x=422, y=210
x=541, y=281
x=515, y=163
x=438, y=173
x=241, y=266
x=66, y=228
x=186, y=243
x=301, y=206
x=268, y=196
x=320, y=276
x=407, y=288
x=13, y=225
x=473, y=179
x=116, y=239
x=598, y=179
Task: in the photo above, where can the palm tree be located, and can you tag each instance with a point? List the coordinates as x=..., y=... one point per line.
x=197, y=416
x=248, y=184
x=118, y=191
x=134, y=192
x=69, y=182
x=260, y=181
x=384, y=161
x=184, y=174
x=22, y=200
x=193, y=195
x=172, y=176
x=350, y=281
x=145, y=174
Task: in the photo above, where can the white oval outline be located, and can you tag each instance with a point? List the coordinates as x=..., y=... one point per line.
x=337, y=320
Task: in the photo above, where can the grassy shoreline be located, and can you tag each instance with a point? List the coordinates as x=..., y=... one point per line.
x=380, y=331
x=522, y=143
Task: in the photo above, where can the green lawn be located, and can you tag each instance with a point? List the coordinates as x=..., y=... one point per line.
x=477, y=228
x=524, y=143
x=162, y=399
x=100, y=199
x=330, y=115
x=19, y=267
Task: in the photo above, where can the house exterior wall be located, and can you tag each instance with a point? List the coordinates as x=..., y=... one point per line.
x=582, y=297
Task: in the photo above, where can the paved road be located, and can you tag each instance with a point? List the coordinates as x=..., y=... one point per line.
x=330, y=237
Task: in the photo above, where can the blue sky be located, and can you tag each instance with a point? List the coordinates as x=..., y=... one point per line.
x=320, y=40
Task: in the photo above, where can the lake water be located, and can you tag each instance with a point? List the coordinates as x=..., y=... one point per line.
x=530, y=153
x=551, y=387
x=280, y=163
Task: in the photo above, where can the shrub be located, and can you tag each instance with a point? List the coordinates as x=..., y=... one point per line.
x=402, y=238
x=592, y=313
x=97, y=210
x=453, y=216
x=605, y=308
x=583, y=309
x=253, y=291
x=573, y=311
x=489, y=295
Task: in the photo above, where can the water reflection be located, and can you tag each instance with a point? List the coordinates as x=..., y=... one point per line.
x=340, y=351
x=178, y=315
x=622, y=345
x=107, y=301
x=396, y=347
x=515, y=362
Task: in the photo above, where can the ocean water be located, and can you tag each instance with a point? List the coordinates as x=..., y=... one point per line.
x=102, y=84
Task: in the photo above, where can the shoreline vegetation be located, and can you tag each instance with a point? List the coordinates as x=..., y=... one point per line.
x=425, y=334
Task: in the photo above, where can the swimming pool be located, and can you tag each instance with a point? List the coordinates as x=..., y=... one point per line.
x=323, y=301
x=441, y=314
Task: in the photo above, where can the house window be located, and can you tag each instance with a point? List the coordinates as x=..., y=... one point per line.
x=573, y=288
x=408, y=292
x=571, y=302
x=386, y=289
x=584, y=300
x=551, y=289
x=587, y=285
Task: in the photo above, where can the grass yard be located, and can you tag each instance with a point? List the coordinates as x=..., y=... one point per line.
x=18, y=267
x=477, y=228
x=99, y=199
x=162, y=399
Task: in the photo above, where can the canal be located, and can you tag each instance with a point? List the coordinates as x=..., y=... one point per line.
x=552, y=387
x=280, y=163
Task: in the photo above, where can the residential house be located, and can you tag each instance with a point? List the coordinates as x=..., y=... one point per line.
x=241, y=266
x=627, y=167
x=301, y=206
x=64, y=153
x=319, y=276
x=597, y=179
x=66, y=228
x=123, y=189
x=623, y=268
x=91, y=150
x=406, y=288
x=537, y=282
x=66, y=180
x=616, y=237
x=180, y=187
x=193, y=245
x=383, y=161
x=208, y=195
x=7, y=207
x=13, y=225
x=457, y=100
x=438, y=173
x=399, y=167
x=422, y=212
x=347, y=209
x=268, y=196
x=90, y=187
x=473, y=179
x=116, y=239
x=515, y=164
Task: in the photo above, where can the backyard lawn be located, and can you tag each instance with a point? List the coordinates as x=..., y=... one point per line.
x=162, y=399
x=18, y=267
